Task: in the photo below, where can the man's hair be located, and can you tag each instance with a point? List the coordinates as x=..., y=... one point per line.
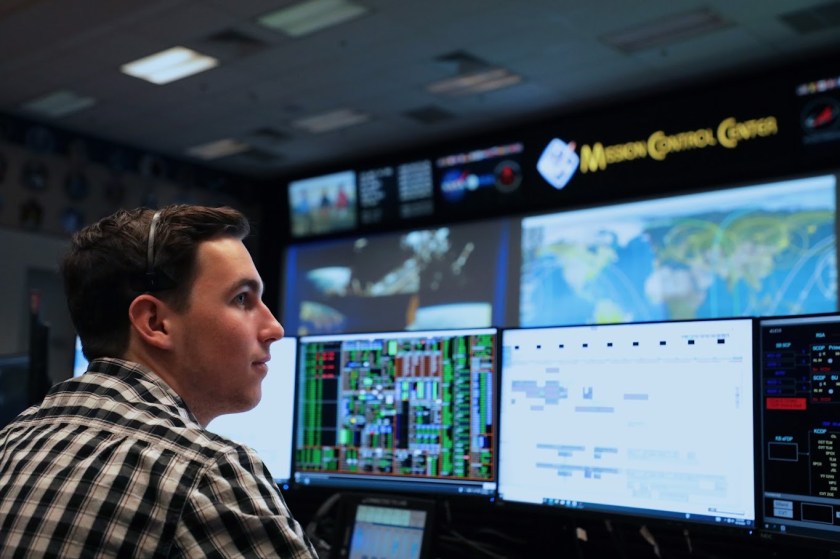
x=108, y=265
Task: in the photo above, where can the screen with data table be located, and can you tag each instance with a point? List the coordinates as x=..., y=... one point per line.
x=651, y=420
x=800, y=426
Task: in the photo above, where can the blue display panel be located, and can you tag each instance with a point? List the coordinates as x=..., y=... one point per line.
x=764, y=250
x=390, y=526
x=80, y=362
x=650, y=420
x=800, y=427
x=398, y=411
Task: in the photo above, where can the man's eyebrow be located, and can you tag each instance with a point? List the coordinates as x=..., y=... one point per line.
x=254, y=285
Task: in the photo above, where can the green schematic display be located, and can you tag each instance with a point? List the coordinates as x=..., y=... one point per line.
x=412, y=411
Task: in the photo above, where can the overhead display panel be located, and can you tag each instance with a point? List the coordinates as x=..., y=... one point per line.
x=768, y=249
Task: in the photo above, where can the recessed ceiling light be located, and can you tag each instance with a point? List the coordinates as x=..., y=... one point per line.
x=169, y=65
x=333, y=120
x=219, y=148
x=311, y=16
x=666, y=30
x=59, y=103
x=476, y=82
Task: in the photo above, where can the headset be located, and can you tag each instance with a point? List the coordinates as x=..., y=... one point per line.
x=154, y=279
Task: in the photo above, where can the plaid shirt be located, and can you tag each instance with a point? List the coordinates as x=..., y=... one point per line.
x=113, y=464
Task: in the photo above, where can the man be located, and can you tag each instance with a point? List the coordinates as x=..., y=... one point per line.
x=117, y=462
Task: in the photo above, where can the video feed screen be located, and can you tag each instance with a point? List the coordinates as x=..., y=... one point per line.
x=765, y=250
x=446, y=277
x=398, y=411
x=324, y=204
x=800, y=426
x=268, y=428
x=650, y=420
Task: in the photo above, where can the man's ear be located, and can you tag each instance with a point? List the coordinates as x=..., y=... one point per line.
x=148, y=316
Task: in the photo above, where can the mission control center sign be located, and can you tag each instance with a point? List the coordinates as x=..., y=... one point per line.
x=560, y=160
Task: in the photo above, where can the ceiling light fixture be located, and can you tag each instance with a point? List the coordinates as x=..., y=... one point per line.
x=333, y=120
x=218, y=149
x=59, y=103
x=169, y=65
x=310, y=16
x=472, y=76
x=666, y=30
x=476, y=82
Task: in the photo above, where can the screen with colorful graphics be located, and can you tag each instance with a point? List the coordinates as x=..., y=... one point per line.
x=800, y=427
x=322, y=205
x=763, y=250
x=398, y=411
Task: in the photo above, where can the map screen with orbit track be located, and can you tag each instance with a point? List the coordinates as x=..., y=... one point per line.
x=755, y=250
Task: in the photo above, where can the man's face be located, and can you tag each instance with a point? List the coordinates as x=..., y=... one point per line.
x=222, y=340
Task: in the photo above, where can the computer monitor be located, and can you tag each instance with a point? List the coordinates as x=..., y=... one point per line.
x=384, y=526
x=800, y=427
x=447, y=277
x=80, y=362
x=268, y=427
x=762, y=250
x=398, y=411
x=653, y=421
x=323, y=204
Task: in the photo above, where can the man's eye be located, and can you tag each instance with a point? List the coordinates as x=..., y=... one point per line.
x=241, y=299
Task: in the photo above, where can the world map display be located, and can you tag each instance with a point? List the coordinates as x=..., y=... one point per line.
x=762, y=250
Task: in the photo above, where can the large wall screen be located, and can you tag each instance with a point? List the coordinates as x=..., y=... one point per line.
x=444, y=277
x=751, y=251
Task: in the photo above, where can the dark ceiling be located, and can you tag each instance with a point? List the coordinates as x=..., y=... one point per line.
x=567, y=54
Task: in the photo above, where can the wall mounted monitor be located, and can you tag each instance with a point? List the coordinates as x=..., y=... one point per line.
x=481, y=181
x=268, y=428
x=323, y=204
x=398, y=411
x=764, y=250
x=800, y=427
x=645, y=420
x=391, y=194
x=818, y=105
x=444, y=277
